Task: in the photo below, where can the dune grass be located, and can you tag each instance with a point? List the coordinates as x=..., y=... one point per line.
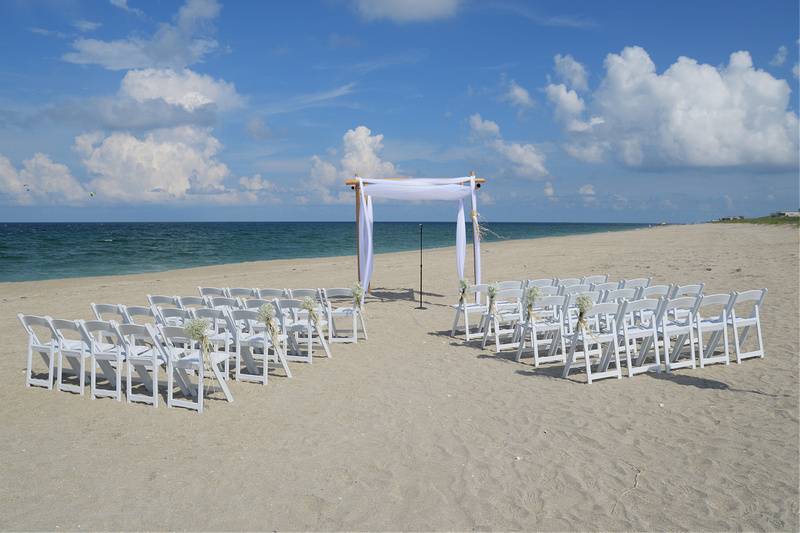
x=771, y=220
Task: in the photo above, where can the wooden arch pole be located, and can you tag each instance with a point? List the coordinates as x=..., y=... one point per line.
x=476, y=236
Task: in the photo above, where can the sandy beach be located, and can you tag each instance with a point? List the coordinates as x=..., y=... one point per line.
x=414, y=430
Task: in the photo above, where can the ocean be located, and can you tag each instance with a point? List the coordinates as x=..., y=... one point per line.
x=65, y=250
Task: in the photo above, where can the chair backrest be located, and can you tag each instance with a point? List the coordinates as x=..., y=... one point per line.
x=241, y=292
x=645, y=304
x=173, y=316
x=268, y=294
x=160, y=300
x=212, y=291
x=70, y=329
x=753, y=298
x=511, y=284
x=224, y=302
x=572, y=289
x=509, y=295
x=612, y=310
x=188, y=302
x=135, y=313
x=343, y=292
x=619, y=294
x=684, y=303
x=597, y=278
x=38, y=328
x=607, y=286
x=688, y=290
x=299, y=294
x=655, y=291
x=570, y=299
x=103, y=311
x=218, y=317
x=102, y=331
x=256, y=303
x=566, y=282
x=244, y=320
x=555, y=302
x=550, y=290
x=133, y=334
x=541, y=282
x=338, y=295
x=722, y=301
x=173, y=335
x=635, y=283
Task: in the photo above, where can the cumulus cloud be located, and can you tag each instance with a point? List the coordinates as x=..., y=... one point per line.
x=518, y=96
x=86, y=25
x=483, y=128
x=526, y=160
x=406, y=10
x=123, y=5
x=587, y=193
x=571, y=72
x=549, y=191
x=183, y=88
x=39, y=181
x=693, y=115
x=360, y=156
x=796, y=70
x=780, y=56
x=175, y=45
x=163, y=165
x=257, y=129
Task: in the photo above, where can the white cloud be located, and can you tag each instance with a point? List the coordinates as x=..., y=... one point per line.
x=163, y=165
x=406, y=10
x=183, y=88
x=780, y=56
x=796, y=70
x=174, y=45
x=361, y=156
x=86, y=25
x=693, y=115
x=571, y=72
x=518, y=96
x=483, y=128
x=40, y=181
x=527, y=161
x=257, y=128
x=587, y=193
x=549, y=191
x=123, y=5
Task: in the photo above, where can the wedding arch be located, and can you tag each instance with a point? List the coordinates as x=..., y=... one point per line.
x=452, y=189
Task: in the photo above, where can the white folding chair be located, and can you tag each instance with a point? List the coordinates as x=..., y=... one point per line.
x=300, y=329
x=654, y=291
x=42, y=339
x=677, y=319
x=225, y=303
x=687, y=290
x=242, y=293
x=543, y=328
x=143, y=354
x=75, y=347
x=712, y=319
x=319, y=300
x=467, y=308
x=212, y=291
x=607, y=286
x=746, y=320
x=173, y=316
x=160, y=300
x=184, y=357
x=221, y=334
x=602, y=321
x=641, y=329
x=566, y=282
x=341, y=302
x=252, y=345
x=617, y=295
x=108, y=352
x=500, y=319
x=566, y=290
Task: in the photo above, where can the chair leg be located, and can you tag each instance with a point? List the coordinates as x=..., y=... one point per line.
x=736, y=342
x=455, y=321
x=363, y=325
x=93, y=381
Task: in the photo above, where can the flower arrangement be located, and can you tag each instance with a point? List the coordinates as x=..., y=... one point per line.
x=266, y=314
x=311, y=307
x=358, y=294
x=584, y=303
x=462, y=290
x=491, y=291
x=531, y=295
x=197, y=329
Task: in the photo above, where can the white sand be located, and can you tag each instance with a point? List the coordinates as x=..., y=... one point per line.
x=414, y=430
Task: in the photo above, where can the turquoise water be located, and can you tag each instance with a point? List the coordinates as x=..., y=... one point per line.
x=63, y=250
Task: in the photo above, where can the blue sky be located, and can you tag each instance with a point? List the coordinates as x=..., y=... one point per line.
x=575, y=111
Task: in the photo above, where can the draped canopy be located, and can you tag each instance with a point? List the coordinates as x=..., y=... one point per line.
x=452, y=189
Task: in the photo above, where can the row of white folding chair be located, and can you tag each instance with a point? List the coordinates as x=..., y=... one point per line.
x=109, y=346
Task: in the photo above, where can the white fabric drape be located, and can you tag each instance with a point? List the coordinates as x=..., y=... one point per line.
x=415, y=190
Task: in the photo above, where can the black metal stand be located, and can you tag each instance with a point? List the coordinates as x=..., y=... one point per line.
x=420, y=268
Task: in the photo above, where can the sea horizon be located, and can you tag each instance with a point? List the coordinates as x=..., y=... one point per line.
x=32, y=251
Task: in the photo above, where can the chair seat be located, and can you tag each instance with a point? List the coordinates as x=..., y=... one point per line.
x=192, y=360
